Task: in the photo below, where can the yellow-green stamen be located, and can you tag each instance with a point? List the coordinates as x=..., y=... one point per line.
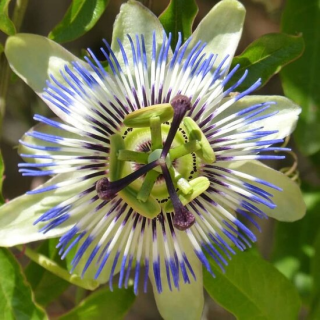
x=205, y=153
x=141, y=118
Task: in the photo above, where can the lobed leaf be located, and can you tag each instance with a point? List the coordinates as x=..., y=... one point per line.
x=265, y=57
x=253, y=289
x=81, y=16
x=300, y=79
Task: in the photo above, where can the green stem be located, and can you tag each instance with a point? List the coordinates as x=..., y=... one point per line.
x=53, y=267
x=5, y=72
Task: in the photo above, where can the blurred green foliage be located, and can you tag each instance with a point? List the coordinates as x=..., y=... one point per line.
x=81, y=16
x=179, y=17
x=299, y=79
x=6, y=25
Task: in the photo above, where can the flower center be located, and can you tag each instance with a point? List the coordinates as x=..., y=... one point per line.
x=154, y=162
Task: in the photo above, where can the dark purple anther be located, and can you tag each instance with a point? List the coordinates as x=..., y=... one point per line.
x=183, y=219
x=103, y=189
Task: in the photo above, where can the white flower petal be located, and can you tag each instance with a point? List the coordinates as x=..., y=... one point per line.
x=289, y=201
x=186, y=303
x=284, y=120
x=135, y=19
x=17, y=216
x=46, y=129
x=221, y=29
x=34, y=58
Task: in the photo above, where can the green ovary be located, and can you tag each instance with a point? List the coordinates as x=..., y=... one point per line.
x=139, y=140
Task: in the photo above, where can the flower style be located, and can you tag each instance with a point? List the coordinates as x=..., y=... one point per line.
x=154, y=159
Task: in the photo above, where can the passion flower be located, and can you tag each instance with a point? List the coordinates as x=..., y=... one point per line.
x=154, y=158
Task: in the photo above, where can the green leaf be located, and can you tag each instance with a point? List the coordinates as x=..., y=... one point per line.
x=253, y=289
x=45, y=285
x=293, y=246
x=315, y=302
x=265, y=57
x=179, y=17
x=103, y=303
x=81, y=16
x=6, y=25
x=2, y=201
x=16, y=300
x=300, y=79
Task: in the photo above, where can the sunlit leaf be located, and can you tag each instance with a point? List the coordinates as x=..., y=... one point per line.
x=16, y=298
x=265, y=57
x=293, y=245
x=252, y=288
x=179, y=17
x=103, y=304
x=300, y=79
x=6, y=25
x=45, y=285
x=81, y=16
